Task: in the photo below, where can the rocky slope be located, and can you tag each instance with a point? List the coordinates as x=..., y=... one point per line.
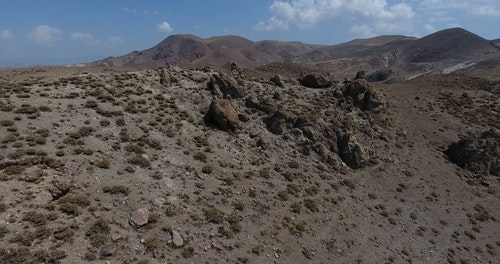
x=183, y=165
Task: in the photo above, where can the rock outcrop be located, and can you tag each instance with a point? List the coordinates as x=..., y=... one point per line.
x=224, y=86
x=277, y=80
x=224, y=114
x=314, y=80
x=359, y=92
x=478, y=153
x=166, y=78
x=351, y=151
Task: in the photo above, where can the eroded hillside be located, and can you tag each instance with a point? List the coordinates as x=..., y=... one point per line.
x=136, y=167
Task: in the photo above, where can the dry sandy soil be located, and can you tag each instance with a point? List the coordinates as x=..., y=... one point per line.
x=83, y=148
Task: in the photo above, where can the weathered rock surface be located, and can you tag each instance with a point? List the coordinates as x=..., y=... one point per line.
x=361, y=94
x=279, y=122
x=314, y=80
x=139, y=217
x=107, y=250
x=225, y=85
x=166, y=79
x=224, y=114
x=277, y=80
x=478, y=152
x=177, y=240
x=351, y=151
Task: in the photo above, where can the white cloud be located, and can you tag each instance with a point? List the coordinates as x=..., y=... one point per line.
x=7, y=34
x=309, y=13
x=429, y=28
x=44, y=35
x=114, y=40
x=362, y=30
x=486, y=11
x=89, y=39
x=164, y=27
x=375, y=17
x=81, y=36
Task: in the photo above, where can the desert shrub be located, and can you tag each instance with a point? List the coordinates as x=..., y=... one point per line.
x=116, y=189
x=35, y=218
x=104, y=123
x=140, y=161
x=70, y=204
x=213, y=215
x=104, y=163
x=98, y=232
x=135, y=149
x=200, y=156
x=7, y=122
x=207, y=169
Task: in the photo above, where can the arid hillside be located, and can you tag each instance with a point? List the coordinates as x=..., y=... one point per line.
x=279, y=164
x=392, y=57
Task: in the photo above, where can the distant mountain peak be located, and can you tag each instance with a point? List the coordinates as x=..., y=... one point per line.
x=404, y=54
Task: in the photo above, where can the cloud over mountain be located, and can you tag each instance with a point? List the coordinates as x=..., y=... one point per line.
x=164, y=27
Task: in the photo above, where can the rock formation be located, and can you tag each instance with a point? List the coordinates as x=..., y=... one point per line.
x=223, y=85
x=314, y=80
x=224, y=114
x=478, y=152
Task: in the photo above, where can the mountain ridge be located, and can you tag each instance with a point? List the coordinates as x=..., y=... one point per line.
x=407, y=56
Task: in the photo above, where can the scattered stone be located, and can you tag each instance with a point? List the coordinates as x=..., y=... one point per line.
x=224, y=114
x=115, y=237
x=139, y=217
x=60, y=188
x=107, y=250
x=177, y=240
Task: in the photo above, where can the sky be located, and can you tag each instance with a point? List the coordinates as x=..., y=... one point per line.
x=59, y=32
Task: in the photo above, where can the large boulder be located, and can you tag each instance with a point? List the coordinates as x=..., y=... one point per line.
x=314, y=80
x=224, y=114
x=478, y=152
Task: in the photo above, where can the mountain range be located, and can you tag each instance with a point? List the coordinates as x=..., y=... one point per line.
x=396, y=56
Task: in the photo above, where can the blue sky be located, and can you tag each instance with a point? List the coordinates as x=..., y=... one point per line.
x=63, y=31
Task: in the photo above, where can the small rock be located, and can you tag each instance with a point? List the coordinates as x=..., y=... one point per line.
x=115, y=237
x=96, y=214
x=107, y=250
x=60, y=188
x=177, y=240
x=139, y=217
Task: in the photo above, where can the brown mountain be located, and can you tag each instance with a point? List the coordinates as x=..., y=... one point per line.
x=396, y=55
